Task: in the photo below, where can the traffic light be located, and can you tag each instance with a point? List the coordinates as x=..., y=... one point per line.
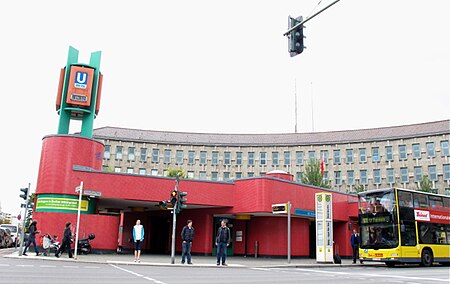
x=173, y=197
x=296, y=36
x=24, y=195
x=163, y=204
x=181, y=201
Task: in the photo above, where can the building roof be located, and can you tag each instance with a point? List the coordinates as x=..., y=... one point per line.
x=281, y=139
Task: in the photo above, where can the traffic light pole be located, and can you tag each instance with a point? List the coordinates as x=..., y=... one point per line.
x=174, y=226
x=22, y=235
x=309, y=18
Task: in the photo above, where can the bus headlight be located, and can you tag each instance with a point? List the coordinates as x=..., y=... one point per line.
x=394, y=254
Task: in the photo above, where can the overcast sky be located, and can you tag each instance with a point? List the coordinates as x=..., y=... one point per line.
x=220, y=66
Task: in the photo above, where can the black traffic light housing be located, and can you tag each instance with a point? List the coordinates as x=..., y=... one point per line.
x=163, y=204
x=173, y=197
x=181, y=201
x=24, y=195
x=296, y=36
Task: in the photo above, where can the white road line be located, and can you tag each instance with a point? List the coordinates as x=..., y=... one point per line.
x=25, y=265
x=47, y=266
x=377, y=276
x=154, y=280
x=1, y=264
x=71, y=266
x=138, y=275
x=92, y=267
x=262, y=269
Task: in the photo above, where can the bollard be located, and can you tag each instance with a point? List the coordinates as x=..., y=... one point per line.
x=256, y=249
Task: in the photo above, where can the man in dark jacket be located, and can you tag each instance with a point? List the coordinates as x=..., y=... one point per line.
x=355, y=241
x=66, y=242
x=187, y=236
x=32, y=230
x=223, y=239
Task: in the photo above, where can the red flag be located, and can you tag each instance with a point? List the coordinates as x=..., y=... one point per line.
x=322, y=164
x=19, y=216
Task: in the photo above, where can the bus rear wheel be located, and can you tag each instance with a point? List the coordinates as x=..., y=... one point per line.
x=427, y=258
x=390, y=263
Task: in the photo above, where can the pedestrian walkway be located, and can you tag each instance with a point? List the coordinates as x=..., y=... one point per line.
x=198, y=261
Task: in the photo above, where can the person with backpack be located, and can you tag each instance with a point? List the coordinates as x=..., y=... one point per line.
x=187, y=236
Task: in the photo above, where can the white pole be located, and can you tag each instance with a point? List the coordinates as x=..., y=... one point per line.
x=78, y=219
x=289, y=232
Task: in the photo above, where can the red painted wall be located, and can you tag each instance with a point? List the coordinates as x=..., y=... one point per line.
x=104, y=227
x=271, y=234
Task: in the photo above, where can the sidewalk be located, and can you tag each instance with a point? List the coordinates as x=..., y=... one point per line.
x=198, y=261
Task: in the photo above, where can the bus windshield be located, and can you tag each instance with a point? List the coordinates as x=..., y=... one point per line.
x=378, y=219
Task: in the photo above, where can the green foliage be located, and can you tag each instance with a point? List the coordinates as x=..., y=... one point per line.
x=108, y=169
x=312, y=174
x=359, y=188
x=176, y=173
x=29, y=211
x=425, y=184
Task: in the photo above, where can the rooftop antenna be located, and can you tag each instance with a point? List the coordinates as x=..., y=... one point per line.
x=295, y=93
x=312, y=108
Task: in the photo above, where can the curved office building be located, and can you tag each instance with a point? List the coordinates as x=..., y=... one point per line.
x=354, y=160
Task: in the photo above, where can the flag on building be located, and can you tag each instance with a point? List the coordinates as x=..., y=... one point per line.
x=322, y=164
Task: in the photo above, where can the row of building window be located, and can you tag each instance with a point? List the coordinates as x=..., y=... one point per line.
x=263, y=156
x=390, y=176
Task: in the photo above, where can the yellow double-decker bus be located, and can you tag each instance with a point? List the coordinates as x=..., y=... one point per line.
x=404, y=226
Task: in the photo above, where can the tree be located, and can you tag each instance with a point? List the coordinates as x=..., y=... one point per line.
x=176, y=173
x=312, y=174
x=359, y=188
x=30, y=211
x=425, y=184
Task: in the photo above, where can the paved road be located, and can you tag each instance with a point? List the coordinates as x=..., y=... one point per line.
x=19, y=270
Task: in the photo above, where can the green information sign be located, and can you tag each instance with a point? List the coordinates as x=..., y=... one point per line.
x=62, y=203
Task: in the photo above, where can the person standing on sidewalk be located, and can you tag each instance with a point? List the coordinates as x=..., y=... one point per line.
x=138, y=237
x=187, y=236
x=66, y=242
x=223, y=239
x=32, y=230
x=355, y=242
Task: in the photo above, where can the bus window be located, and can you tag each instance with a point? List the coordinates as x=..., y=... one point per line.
x=420, y=200
x=435, y=201
x=448, y=233
x=405, y=198
x=408, y=233
x=446, y=201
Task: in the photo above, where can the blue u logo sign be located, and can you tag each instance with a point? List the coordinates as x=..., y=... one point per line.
x=81, y=80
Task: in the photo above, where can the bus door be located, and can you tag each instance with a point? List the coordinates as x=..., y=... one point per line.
x=408, y=239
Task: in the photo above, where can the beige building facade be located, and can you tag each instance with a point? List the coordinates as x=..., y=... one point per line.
x=354, y=159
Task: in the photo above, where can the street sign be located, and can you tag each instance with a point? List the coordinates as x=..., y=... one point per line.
x=279, y=208
x=92, y=193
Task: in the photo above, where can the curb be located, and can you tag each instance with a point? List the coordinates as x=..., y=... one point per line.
x=201, y=265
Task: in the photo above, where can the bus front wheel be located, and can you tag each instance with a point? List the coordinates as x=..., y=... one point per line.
x=427, y=258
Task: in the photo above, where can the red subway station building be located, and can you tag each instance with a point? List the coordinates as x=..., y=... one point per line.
x=120, y=199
